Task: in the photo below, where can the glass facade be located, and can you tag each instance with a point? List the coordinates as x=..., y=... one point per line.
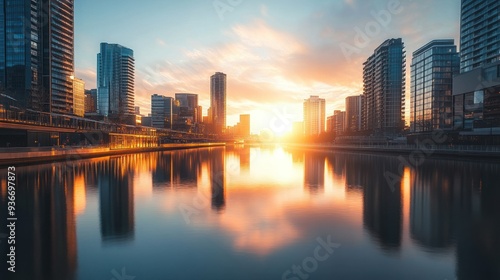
x=384, y=88
x=218, y=102
x=36, y=54
x=480, y=33
x=161, y=111
x=115, y=82
x=432, y=70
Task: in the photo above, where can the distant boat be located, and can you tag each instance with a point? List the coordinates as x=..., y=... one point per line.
x=239, y=142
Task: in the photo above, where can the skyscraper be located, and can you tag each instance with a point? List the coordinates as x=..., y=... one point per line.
x=314, y=116
x=479, y=33
x=36, y=54
x=476, y=91
x=115, y=83
x=218, y=102
x=384, y=88
x=432, y=70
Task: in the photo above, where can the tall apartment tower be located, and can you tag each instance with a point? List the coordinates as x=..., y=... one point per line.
x=479, y=33
x=476, y=91
x=314, y=116
x=384, y=89
x=115, y=83
x=432, y=70
x=218, y=102
x=36, y=54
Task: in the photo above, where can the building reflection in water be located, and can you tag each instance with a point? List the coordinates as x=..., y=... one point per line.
x=116, y=200
x=46, y=246
x=244, y=153
x=217, y=178
x=314, y=172
x=478, y=238
x=162, y=172
x=382, y=205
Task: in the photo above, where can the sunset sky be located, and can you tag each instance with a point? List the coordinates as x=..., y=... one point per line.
x=275, y=53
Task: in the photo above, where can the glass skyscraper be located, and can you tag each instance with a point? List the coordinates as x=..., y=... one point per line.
x=384, y=89
x=115, y=83
x=432, y=70
x=218, y=102
x=479, y=34
x=36, y=54
x=476, y=91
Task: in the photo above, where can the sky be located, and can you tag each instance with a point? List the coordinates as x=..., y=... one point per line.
x=275, y=53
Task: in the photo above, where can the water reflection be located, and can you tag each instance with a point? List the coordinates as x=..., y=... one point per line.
x=45, y=231
x=382, y=205
x=255, y=206
x=116, y=197
x=314, y=172
x=218, y=180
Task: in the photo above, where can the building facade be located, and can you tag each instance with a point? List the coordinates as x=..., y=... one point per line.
x=91, y=101
x=432, y=70
x=161, y=111
x=37, y=54
x=314, y=116
x=184, y=112
x=353, y=113
x=78, y=97
x=115, y=83
x=384, y=89
x=476, y=91
x=218, y=102
x=479, y=33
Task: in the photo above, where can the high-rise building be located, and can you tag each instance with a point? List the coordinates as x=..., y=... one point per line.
x=91, y=101
x=479, y=33
x=353, y=113
x=432, y=70
x=244, y=125
x=78, y=97
x=115, y=83
x=186, y=106
x=384, y=89
x=161, y=111
x=314, y=116
x=36, y=54
x=476, y=91
x=218, y=102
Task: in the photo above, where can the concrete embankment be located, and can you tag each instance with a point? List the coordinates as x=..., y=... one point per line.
x=20, y=156
x=463, y=152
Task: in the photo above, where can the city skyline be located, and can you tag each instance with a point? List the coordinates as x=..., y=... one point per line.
x=261, y=72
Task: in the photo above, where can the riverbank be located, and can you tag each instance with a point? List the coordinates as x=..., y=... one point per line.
x=449, y=152
x=28, y=156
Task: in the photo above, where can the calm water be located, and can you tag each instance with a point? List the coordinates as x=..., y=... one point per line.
x=255, y=213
